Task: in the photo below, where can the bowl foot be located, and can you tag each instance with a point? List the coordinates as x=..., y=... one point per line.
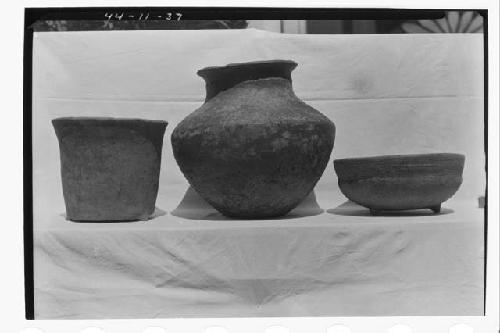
x=436, y=209
x=375, y=212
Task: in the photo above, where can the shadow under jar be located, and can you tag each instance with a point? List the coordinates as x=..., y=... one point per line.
x=109, y=166
x=253, y=150
x=400, y=182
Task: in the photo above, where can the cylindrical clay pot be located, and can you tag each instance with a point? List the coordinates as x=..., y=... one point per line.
x=110, y=167
x=253, y=149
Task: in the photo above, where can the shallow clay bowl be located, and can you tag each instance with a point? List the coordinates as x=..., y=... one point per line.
x=400, y=182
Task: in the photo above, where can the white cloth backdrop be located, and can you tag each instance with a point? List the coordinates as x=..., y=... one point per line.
x=387, y=94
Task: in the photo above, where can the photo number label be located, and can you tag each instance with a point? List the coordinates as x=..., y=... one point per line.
x=118, y=16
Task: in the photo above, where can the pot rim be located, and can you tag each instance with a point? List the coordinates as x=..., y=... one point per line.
x=76, y=119
x=206, y=70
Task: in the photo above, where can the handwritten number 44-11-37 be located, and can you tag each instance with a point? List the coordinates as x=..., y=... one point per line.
x=143, y=16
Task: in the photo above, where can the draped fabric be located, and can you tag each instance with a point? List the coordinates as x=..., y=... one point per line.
x=386, y=94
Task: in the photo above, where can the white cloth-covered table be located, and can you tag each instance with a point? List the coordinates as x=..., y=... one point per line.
x=387, y=94
x=342, y=262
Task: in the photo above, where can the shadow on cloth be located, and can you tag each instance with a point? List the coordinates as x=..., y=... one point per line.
x=194, y=207
x=350, y=208
x=157, y=212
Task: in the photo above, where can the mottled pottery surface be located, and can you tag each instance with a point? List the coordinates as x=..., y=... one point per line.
x=109, y=167
x=254, y=150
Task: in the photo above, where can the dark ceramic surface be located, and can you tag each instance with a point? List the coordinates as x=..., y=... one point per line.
x=253, y=150
x=400, y=182
x=109, y=167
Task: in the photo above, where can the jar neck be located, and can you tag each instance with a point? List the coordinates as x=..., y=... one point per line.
x=222, y=78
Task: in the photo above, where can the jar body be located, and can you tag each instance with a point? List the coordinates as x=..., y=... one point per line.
x=254, y=150
x=109, y=167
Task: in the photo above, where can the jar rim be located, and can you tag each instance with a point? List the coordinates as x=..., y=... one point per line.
x=207, y=70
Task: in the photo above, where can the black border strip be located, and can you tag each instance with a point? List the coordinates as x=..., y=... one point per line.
x=28, y=170
x=247, y=13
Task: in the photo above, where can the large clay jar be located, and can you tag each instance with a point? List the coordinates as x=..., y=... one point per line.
x=253, y=149
x=110, y=167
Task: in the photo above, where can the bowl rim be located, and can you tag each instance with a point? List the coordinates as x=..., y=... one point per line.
x=404, y=157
